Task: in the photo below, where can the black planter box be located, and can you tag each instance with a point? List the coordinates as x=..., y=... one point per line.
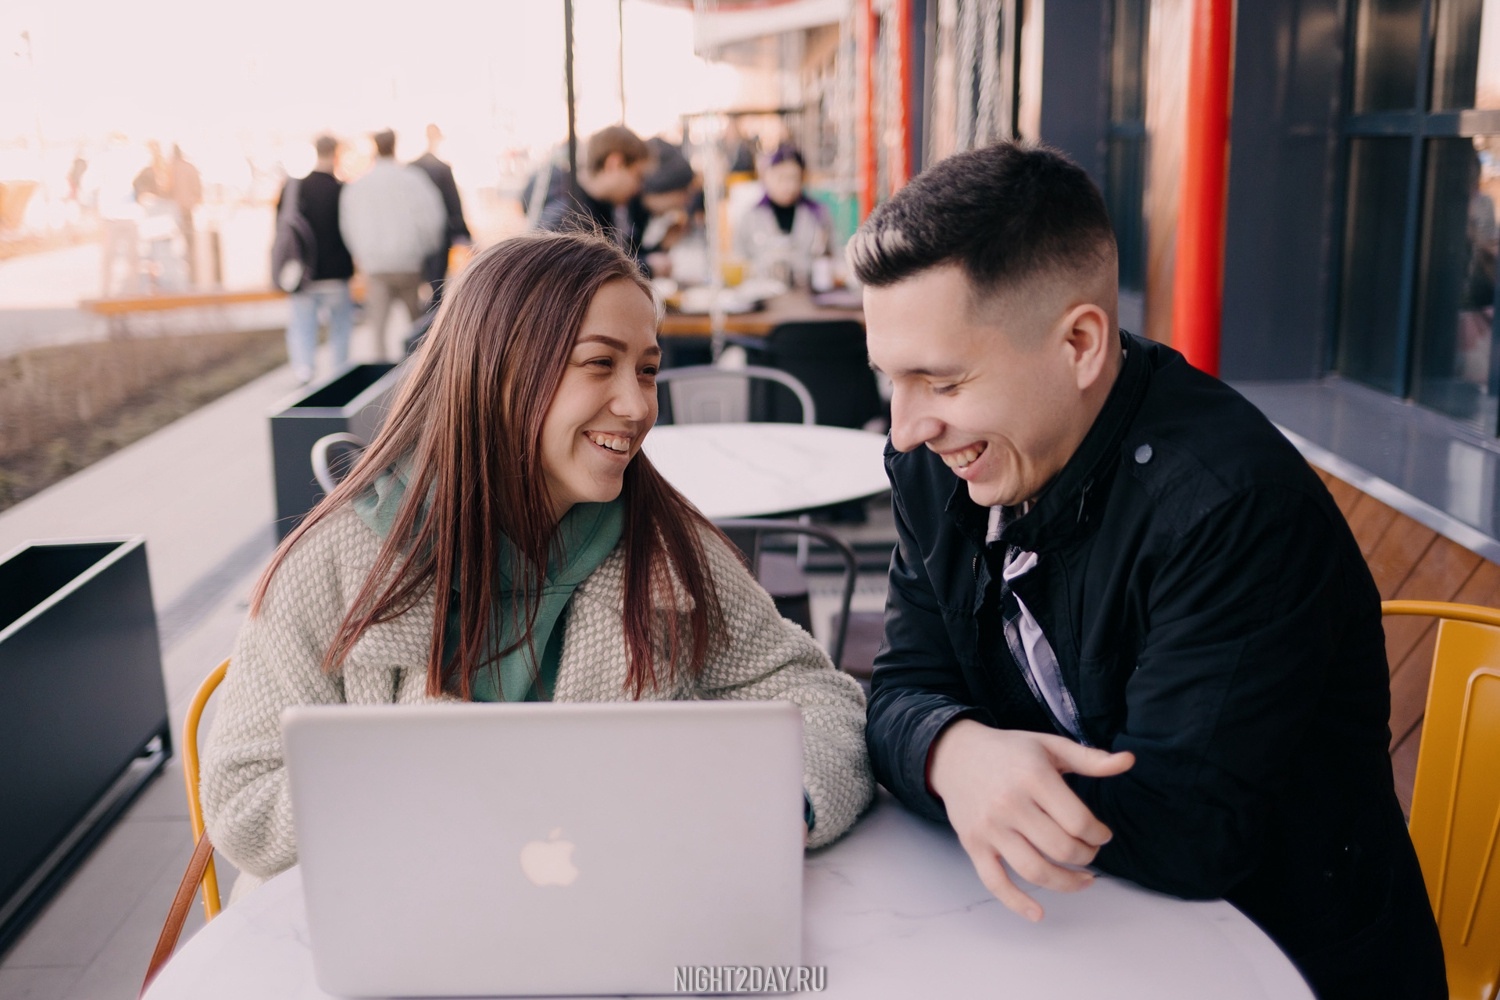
x=83, y=708
x=352, y=401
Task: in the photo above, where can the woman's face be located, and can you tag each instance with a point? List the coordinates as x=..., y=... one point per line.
x=606, y=401
x=783, y=183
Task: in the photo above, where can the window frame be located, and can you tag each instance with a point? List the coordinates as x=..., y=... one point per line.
x=1417, y=126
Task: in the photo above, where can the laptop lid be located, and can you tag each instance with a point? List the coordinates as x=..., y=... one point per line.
x=462, y=850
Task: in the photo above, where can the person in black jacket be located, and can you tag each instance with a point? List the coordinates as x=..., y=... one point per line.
x=1127, y=626
x=327, y=288
x=607, y=196
x=435, y=266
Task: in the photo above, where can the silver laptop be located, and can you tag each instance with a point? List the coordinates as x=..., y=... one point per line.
x=466, y=850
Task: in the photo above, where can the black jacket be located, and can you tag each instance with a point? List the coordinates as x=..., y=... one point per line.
x=318, y=200
x=581, y=211
x=1212, y=614
x=442, y=179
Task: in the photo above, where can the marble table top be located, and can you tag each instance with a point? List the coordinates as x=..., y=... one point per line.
x=756, y=470
x=892, y=910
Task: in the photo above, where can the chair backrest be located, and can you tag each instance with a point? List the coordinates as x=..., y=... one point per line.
x=1455, y=806
x=831, y=359
x=749, y=534
x=707, y=394
x=333, y=455
x=200, y=870
x=190, y=777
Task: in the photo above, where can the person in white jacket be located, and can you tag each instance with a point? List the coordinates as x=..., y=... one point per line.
x=391, y=219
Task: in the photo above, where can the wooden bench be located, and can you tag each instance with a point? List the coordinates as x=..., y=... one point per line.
x=118, y=310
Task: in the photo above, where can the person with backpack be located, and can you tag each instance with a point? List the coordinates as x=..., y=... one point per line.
x=312, y=264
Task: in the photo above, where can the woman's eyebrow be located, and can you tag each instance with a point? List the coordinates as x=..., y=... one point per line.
x=611, y=342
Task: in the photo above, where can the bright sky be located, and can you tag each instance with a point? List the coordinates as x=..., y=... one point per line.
x=227, y=80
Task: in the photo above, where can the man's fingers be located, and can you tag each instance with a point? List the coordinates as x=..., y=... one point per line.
x=1039, y=869
x=1052, y=835
x=1091, y=761
x=992, y=873
x=1073, y=820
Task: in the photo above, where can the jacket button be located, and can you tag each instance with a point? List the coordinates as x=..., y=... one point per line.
x=1143, y=454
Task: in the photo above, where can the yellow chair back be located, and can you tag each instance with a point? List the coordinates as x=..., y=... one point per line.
x=190, y=775
x=1455, y=808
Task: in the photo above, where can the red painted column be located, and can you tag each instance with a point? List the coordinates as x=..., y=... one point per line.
x=864, y=33
x=1198, y=286
x=901, y=158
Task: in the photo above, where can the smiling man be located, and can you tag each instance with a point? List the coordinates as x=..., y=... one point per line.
x=1127, y=627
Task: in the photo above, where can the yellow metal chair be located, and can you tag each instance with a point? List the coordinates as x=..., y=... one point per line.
x=200, y=870
x=190, y=777
x=1455, y=807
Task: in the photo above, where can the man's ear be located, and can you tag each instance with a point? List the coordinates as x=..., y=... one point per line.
x=1089, y=338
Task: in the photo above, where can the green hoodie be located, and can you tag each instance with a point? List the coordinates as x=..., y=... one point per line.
x=586, y=536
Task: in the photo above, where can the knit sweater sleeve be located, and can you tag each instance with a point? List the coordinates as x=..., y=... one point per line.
x=277, y=663
x=762, y=656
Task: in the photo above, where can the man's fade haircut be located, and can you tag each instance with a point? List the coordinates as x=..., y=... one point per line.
x=614, y=139
x=1005, y=214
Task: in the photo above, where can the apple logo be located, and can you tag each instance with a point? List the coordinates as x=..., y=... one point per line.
x=550, y=861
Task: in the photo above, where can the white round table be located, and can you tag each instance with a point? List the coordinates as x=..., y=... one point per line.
x=894, y=910
x=756, y=470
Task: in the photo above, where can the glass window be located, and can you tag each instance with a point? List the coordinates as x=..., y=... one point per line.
x=1456, y=284
x=1370, y=310
x=1127, y=91
x=1388, y=41
x=1125, y=190
x=1466, y=67
x=1125, y=180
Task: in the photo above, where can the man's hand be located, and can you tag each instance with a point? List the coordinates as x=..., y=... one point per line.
x=1007, y=800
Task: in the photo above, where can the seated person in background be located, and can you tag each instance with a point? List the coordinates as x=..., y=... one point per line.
x=503, y=539
x=781, y=235
x=1127, y=626
x=669, y=193
x=614, y=167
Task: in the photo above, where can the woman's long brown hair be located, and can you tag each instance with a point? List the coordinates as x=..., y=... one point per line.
x=469, y=414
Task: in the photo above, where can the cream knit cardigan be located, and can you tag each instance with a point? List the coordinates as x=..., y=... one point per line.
x=277, y=662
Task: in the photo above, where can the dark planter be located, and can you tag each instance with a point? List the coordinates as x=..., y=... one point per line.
x=352, y=401
x=83, y=708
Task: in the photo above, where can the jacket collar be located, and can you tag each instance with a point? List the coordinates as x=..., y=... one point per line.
x=1066, y=506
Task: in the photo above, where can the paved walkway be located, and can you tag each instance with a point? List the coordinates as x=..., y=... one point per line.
x=200, y=491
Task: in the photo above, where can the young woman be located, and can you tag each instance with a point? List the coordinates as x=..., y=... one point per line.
x=782, y=234
x=504, y=539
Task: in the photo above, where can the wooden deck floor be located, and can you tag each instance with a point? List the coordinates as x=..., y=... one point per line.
x=1409, y=560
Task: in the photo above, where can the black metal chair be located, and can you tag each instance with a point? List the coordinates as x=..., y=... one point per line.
x=830, y=358
x=780, y=574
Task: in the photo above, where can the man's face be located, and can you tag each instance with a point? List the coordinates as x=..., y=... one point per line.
x=617, y=181
x=989, y=388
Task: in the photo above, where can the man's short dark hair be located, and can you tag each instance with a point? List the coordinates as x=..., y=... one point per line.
x=614, y=139
x=326, y=145
x=385, y=142
x=1005, y=214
